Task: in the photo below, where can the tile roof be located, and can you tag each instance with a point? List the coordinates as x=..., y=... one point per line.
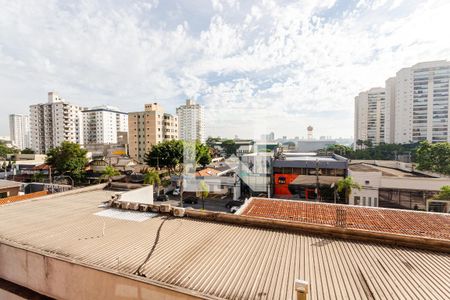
x=221, y=261
x=412, y=223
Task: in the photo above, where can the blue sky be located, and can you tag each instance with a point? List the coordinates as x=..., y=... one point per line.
x=257, y=66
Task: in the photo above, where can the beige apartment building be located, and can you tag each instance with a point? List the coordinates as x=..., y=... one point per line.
x=148, y=128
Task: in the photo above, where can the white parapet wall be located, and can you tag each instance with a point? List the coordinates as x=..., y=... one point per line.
x=143, y=195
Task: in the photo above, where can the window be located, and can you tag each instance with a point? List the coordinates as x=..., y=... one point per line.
x=356, y=200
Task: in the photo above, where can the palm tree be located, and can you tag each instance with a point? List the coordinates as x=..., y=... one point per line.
x=203, y=191
x=347, y=184
x=109, y=173
x=152, y=177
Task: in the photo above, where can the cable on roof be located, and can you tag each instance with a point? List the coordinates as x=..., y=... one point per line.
x=139, y=270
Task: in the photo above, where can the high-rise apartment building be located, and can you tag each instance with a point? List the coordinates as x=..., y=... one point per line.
x=422, y=102
x=149, y=128
x=416, y=106
x=370, y=112
x=54, y=122
x=103, y=125
x=191, y=121
x=19, y=129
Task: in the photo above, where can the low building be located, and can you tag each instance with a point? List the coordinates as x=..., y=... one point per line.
x=9, y=188
x=70, y=246
x=307, y=177
x=395, y=188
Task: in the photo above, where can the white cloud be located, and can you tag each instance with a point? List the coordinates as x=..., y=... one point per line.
x=275, y=65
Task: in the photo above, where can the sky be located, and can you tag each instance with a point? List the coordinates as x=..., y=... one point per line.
x=256, y=66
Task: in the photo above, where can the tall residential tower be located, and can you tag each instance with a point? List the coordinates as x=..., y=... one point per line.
x=416, y=107
x=191, y=121
x=19, y=129
x=148, y=128
x=103, y=124
x=54, y=122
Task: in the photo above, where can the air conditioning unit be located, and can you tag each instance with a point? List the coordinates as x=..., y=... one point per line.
x=179, y=212
x=165, y=208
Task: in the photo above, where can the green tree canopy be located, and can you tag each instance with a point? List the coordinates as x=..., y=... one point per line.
x=433, y=157
x=69, y=158
x=203, y=154
x=152, y=177
x=170, y=154
x=347, y=184
x=230, y=147
x=109, y=173
x=5, y=150
x=444, y=193
x=27, y=151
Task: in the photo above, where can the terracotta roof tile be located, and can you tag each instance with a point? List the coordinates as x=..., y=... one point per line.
x=413, y=223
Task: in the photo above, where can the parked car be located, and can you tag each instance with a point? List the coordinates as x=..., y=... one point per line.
x=234, y=209
x=176, y=191
x=162, y=198
x=191, y=200
x=232, y=203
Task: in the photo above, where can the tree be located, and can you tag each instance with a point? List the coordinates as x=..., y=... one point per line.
x=368, y=143
x=347, y=184
x=433, y=157
x=211, y=141
x=170, y=155
x=69, y=158
x=109, y=173
x=5, y=150
x=203, y=191
x=359, y=143
x=340, y=149
x=203, y=154
x=151, y=177
x=230, y=147
x=444, y=193
x=27, y=151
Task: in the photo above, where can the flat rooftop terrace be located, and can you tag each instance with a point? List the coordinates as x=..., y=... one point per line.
x=206, y=259
x=396, y=221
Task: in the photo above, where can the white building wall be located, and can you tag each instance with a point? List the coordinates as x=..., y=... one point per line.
x=191, y=121
x=53, y=122
x=101, y=124
x=19, y=128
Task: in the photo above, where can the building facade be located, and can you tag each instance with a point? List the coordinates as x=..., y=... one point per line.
x=19, y=128
x=416, y=106
x=149, y=128
x=54, y=122
x=370, y=112
x=191, y=121
x=104, y=124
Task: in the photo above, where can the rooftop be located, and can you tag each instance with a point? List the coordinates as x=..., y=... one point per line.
x=215, y=260
x=396, y=221
x=5, y=184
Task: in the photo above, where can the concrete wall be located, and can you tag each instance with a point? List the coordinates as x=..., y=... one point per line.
x=143, y=195
x=62, y=279
x=368, y=194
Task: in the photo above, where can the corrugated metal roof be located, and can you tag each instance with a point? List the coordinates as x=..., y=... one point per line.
x=397, y=221
x=223, y=260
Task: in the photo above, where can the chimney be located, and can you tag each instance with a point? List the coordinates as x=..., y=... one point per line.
x=301, y=288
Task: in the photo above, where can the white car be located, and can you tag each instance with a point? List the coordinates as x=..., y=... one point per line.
x=176, y=192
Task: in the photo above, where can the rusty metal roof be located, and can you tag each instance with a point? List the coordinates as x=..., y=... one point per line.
x=222, y=260
x=396, y=221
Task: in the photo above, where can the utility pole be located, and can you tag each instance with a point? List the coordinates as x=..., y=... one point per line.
x=317, y=180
